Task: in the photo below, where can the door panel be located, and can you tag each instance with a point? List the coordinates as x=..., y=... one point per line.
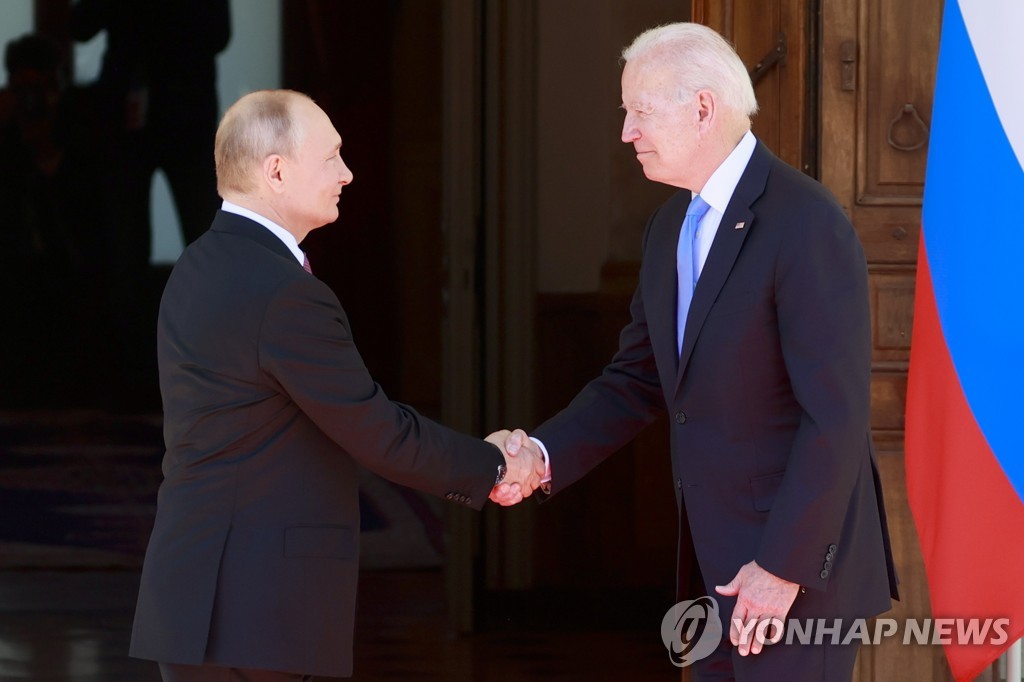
x=877, y=76
x=755, y=28
x=898, y=44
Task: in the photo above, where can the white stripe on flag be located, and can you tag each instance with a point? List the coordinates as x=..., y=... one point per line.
x=994, y=27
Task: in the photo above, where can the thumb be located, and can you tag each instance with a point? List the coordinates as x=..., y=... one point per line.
x=514, y=442
x=730, y=590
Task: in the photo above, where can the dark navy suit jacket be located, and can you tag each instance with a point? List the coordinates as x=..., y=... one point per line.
x=268, y=409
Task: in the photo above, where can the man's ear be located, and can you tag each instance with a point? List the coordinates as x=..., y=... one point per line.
x=706, y=109
x=272, y=172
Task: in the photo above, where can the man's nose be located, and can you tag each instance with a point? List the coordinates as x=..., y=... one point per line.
x=346, y=176
x=629, y=130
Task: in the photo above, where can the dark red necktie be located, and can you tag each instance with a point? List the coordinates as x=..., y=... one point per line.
x=305, y=264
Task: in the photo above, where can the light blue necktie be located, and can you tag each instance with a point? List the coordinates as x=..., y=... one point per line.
x=687, y=268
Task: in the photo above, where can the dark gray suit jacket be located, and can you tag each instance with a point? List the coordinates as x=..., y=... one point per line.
x=268, y=409
x=769, y=401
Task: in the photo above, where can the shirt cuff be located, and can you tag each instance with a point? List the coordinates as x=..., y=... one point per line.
x=547, y=461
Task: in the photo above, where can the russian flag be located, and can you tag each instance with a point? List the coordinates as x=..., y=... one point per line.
x=965, y=399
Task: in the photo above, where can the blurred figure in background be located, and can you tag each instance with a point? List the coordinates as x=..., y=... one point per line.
x=158, y=94
x=52, y=238
x=157, y=108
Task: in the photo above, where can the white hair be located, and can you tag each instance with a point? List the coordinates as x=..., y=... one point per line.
x=701, y=59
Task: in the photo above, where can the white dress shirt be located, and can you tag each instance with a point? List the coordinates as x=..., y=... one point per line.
x=717, y=192
x=284, y=235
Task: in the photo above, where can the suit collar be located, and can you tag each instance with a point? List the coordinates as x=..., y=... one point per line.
x=737, y=221
x=231, y=223
x=277, y=230
x=720, y=187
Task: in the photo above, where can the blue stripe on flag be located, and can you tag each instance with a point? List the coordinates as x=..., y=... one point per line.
x=974, y=235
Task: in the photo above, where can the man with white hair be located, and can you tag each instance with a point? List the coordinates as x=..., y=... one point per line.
x=751, y=328
x=250, y=573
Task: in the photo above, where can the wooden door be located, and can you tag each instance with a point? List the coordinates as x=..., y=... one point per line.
x=877, y=78
x=775, y=40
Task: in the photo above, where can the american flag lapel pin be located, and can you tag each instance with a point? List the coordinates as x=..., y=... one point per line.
x=740, y=226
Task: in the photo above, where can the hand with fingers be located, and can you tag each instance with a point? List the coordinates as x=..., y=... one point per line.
x=763, y=601
x=524, y=467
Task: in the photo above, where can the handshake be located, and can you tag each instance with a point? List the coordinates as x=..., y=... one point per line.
x=525, y=466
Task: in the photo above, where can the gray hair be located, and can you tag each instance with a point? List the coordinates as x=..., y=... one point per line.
x=257, y=125
x=701, y=59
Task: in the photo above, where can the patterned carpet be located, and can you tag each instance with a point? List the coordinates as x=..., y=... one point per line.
x=78, y=490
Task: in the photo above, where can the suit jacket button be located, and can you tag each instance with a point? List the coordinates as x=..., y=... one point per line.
x=830, y=556
x=832, y=548
x=824, y=574
x=679, y=483
x=449, y=496
x=469, y=500
x=680, y=417
x=828, y=566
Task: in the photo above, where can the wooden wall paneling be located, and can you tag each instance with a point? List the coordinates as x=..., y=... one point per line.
x=876, y=58
x=461, y=351
x=891, y=289
x=614, y=529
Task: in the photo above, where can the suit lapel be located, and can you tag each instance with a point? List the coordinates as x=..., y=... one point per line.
x=725, y=249
x=660, y=288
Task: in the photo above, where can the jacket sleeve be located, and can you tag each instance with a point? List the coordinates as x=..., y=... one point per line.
x=305, y=345
x=825, y=334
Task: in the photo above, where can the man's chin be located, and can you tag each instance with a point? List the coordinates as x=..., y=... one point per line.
x=651, y=173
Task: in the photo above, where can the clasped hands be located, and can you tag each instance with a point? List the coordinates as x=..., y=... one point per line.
x=524, y=463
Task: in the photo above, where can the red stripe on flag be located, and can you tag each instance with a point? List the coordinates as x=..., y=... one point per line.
x=968, y=516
